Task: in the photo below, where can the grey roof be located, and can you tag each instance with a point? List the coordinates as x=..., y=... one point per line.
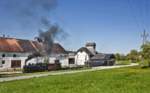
x=90, y=44
x=86, y=50
x=74, y=52
x=101, y=56
x=108, y=56
x=92, y=51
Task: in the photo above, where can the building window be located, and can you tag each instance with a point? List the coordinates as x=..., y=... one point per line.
x=3, y=61
x=14, y=55
x=15, y=63
x=56, y=61
x=3, y=55
x=71, y=61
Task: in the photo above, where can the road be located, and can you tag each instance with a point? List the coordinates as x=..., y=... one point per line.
x=65, y=72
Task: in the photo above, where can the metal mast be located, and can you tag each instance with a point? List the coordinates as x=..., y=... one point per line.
x=144, y=36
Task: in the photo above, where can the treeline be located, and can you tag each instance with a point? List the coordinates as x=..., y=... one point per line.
x=133, y=56
x=142, y=57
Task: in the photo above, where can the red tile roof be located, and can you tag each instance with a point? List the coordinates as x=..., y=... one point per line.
x=9, y=45
x=57, y=49
x=20, y=45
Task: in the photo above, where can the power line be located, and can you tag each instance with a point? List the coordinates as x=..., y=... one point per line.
x=144, y=37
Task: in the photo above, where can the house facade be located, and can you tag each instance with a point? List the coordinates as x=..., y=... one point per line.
x=89, y=56
x=14, y=52
x=59, y=54
x=82, y=56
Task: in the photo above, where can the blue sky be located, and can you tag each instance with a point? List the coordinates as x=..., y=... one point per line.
x=115, y=25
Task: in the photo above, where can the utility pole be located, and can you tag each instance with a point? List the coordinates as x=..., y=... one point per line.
x=144, y=36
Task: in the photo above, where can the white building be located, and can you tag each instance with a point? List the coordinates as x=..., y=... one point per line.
x=59, y=54
x=14, y=52
x=85, y=53
x=89, y=56
x=82, y=56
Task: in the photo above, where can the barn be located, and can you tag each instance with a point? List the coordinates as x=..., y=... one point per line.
x=14, y=52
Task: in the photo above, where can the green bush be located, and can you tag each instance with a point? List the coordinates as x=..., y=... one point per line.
x=144, y=63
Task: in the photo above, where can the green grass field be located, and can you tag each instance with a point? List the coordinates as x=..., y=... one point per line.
x=123, y=80
x=125, y=62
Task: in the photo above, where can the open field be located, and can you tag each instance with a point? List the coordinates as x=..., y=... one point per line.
x=121, y=80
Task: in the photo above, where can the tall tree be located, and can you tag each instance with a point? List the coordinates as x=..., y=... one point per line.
x=120, y=57
x=133, y=55
x=146, y=52
x=117, y=56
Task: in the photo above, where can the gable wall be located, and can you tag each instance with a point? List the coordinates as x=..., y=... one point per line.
x=81, y=58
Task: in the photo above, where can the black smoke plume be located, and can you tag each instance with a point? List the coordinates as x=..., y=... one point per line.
x=47, y=36
x=37, y=12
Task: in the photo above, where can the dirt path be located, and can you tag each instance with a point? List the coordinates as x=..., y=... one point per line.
x=65, y=72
